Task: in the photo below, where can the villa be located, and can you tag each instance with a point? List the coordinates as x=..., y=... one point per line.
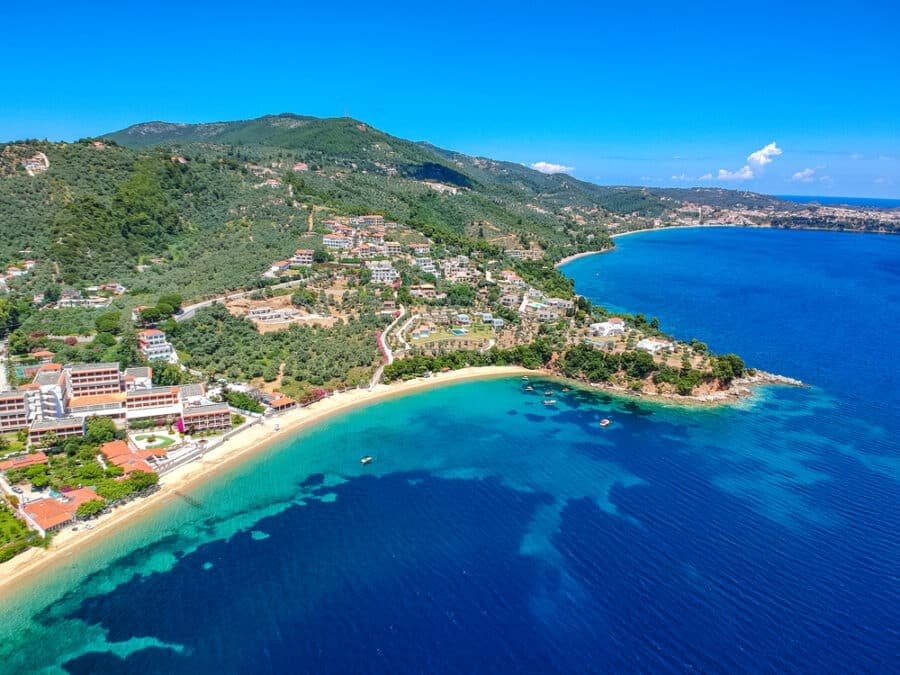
x=337, y=241
x=302, y=257
x=612, y=326
x=655, y=345
x=153, y=345
x=422, y=291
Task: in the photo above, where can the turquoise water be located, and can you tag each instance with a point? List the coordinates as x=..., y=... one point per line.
x=494, y=534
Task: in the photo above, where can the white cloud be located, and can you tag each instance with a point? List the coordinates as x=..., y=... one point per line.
x=881, y=180
x=548, y=167
x=805, y=176
x=681, y=177
x=744, y=173
x=827, y=180
x=764, y=155
x=706, y=176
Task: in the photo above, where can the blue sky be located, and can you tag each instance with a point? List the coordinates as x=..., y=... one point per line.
x=656, y=93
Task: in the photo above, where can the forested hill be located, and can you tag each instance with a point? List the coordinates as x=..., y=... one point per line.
x=204, y=208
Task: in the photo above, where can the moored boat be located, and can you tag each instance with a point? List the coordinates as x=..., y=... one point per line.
x=366, y=460
x=605, y=422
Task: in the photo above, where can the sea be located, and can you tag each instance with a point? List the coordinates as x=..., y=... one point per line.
x=494, y=534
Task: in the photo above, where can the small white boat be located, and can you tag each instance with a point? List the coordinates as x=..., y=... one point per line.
x=605, y=422
x=529, y=388
x=366, y=460
x=549, y=392
x=525, y=377
x=550, y=401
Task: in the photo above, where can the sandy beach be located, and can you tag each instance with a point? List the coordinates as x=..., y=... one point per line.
x=67, y=543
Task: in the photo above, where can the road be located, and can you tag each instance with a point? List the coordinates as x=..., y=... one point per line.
x=188, y=311
x=385, y=348
x=4, y=382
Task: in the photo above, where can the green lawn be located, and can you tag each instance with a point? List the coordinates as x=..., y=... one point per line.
x=161, y=441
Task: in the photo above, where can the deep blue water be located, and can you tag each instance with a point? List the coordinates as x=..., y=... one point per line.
x=494, y=534
x=875, y=202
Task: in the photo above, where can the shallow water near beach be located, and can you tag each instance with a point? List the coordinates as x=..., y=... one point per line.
x=493, y=533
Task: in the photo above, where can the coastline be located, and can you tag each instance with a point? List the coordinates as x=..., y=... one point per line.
x=584, y=254
x=67, y=543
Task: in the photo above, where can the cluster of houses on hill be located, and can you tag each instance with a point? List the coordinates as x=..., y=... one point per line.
x=60, y=398
x=360, y=239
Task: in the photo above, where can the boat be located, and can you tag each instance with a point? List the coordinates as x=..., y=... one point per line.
x=566, y=389
x=525, y=377
x=366, y=460
x=549, y=392
x=529, y=388
x=605, y=422
x=550, y=401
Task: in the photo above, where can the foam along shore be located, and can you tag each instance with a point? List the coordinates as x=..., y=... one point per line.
x=66, y=543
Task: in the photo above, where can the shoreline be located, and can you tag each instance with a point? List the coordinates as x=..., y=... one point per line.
x=584, y=254
x=245, y=445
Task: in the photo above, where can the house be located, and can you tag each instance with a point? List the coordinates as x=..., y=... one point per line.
x=393, y=247
x=497, y=322
x=420, y=249
x=463, y=319
x=426, y=265
x=422, y=291
x=382, y=271
x=23, y=461
x=277, y=267
x=63, y=427
x=46, y=515
x=337, y=241
x=547, y=314
x=153, y=345
x=302, y=257
x=510, y=277
x=282, y=403
x=486, y=317
x=212, y=416
x=655, y=345
x=43, y=355
x=510, y=300
x=612, y=326
x=119, y=453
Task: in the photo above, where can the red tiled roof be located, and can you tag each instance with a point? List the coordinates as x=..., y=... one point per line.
x=23, y=461
x=48, y=513
x=115, y=449
x=79, y=496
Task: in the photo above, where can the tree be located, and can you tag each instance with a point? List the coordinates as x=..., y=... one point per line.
x=90, y=508
x=99, y=430
x=49, y=440
x=52, y=294
x=108, y=322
